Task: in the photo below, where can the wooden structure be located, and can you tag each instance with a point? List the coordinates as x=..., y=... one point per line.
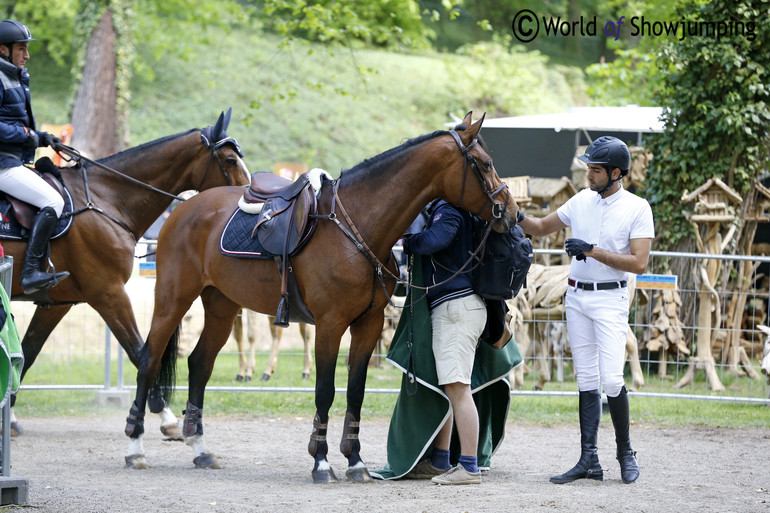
x=714, y=212
x=548, y=194
x=667, y=336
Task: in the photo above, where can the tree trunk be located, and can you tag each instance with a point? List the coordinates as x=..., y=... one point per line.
x=96, y=131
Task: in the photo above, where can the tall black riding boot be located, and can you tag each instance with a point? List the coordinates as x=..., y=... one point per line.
x=629, y=469
x=588, y=466
x=34, y=276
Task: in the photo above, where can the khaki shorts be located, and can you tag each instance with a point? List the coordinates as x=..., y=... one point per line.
x=457, y=325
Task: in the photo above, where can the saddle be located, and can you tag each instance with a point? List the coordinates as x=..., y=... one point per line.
x=25, y=213
x=285, y=223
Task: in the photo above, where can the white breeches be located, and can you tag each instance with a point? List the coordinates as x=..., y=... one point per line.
x=597, y=322
x=24, y=184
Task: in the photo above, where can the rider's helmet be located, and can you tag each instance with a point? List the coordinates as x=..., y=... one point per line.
x=609, y=152
x=12, y=31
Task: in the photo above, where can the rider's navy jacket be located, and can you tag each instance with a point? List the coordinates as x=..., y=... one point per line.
x=15, y=114
x=448, y=240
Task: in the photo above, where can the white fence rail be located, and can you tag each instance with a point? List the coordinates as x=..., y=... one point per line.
x=82, y=355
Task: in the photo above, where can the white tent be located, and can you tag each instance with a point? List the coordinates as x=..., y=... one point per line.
x=544, y=145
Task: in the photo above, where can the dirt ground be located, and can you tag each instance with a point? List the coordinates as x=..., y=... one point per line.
x=76, y=465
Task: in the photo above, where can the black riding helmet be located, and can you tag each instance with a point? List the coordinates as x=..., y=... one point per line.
x=12, y=31
x=609, y=152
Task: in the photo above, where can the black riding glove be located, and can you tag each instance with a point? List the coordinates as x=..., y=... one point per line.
x=33, y=141
x=47, y=139
x=576, y=247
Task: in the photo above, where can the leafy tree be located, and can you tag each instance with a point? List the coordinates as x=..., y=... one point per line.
x=715, y=96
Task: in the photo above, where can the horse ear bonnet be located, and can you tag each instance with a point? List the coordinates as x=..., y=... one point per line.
x=215, y=137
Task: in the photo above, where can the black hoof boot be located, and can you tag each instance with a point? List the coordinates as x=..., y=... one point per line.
x=629, y=468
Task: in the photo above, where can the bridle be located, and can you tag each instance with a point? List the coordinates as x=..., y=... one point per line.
x=73, y=155
x=357, y=239
x=214, y=154
x=497, y=207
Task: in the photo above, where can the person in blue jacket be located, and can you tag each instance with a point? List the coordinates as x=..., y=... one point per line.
x=18, y=142
x=458, y=316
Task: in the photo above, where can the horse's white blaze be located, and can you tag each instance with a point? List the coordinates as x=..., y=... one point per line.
x=167, y=417
x=197, y=444
x=135, y=447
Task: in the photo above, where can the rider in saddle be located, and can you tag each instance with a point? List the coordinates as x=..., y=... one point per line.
x=18, y=141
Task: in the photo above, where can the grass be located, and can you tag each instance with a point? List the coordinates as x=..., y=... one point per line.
x=525, y=408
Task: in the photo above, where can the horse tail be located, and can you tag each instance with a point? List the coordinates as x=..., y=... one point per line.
x=163, y=388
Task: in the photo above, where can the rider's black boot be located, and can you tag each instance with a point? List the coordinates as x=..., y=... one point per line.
x=629, y=468
x=588, y=466
x=33, y=275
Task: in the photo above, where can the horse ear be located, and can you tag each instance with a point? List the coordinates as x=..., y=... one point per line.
x=226, y=121
x=217, y=130
x=475, y=128
x=467, y=119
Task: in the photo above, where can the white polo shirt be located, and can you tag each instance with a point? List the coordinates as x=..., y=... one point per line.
x=610, y=223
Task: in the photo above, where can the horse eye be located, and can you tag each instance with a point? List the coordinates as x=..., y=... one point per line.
x=231, y=161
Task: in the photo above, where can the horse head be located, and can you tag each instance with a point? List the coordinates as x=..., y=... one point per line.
x=225, y=151
x=497, y=204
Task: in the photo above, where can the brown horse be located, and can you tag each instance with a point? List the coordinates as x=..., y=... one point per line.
x=377, y=200
x=246, y=321
x=112, y=213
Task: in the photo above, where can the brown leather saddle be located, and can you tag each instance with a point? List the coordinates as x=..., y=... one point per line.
x=286, y=221
x=25, y=213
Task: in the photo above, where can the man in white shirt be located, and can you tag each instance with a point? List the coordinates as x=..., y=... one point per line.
x=612, y=236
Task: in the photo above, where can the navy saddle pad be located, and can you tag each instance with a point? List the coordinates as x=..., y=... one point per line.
x=236, y=239
x=11, y=229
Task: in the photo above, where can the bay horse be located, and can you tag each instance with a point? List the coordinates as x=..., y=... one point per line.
x=246, y=324
x=111, y=214
x=340, y=283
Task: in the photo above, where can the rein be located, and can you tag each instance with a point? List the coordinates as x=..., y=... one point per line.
x=360, y=243
x=73, y=155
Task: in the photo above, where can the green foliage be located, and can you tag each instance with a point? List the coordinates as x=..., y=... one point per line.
x=51, y=23
x=716, y=112
x=386, y=23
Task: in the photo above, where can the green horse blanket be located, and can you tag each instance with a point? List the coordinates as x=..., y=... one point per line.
x=422, y=406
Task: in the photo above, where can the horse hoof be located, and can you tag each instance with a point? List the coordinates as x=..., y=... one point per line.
x=248, y=378
x=359, y=475
x=324, y=476
x=265, y=376
x=172, y=432
x=16, y=429
x=305, y=376
x=136, y=461
x=206, y=461
x=238, y=378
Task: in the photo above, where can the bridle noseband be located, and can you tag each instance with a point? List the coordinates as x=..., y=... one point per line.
x=497, y=207
x=214, y=149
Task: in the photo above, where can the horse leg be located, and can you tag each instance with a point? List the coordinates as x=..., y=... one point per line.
x=43, y=322
x=327, y=343
x=220, y=312
x=118, y=313
x=272, y=362
x=157, y=360
x=364, y=333
x=308, y=357
x=251, y=335
x=238, y=334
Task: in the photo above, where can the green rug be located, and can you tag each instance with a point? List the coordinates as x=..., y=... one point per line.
x=422, y=406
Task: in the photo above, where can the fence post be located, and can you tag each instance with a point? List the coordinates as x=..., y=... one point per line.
x=13, y=490
x=116, y=396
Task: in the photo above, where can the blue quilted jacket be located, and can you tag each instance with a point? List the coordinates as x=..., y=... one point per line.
x=15, y=114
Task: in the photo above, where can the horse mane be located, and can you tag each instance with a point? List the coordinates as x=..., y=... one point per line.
x=146, y=146
x=368, y=166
